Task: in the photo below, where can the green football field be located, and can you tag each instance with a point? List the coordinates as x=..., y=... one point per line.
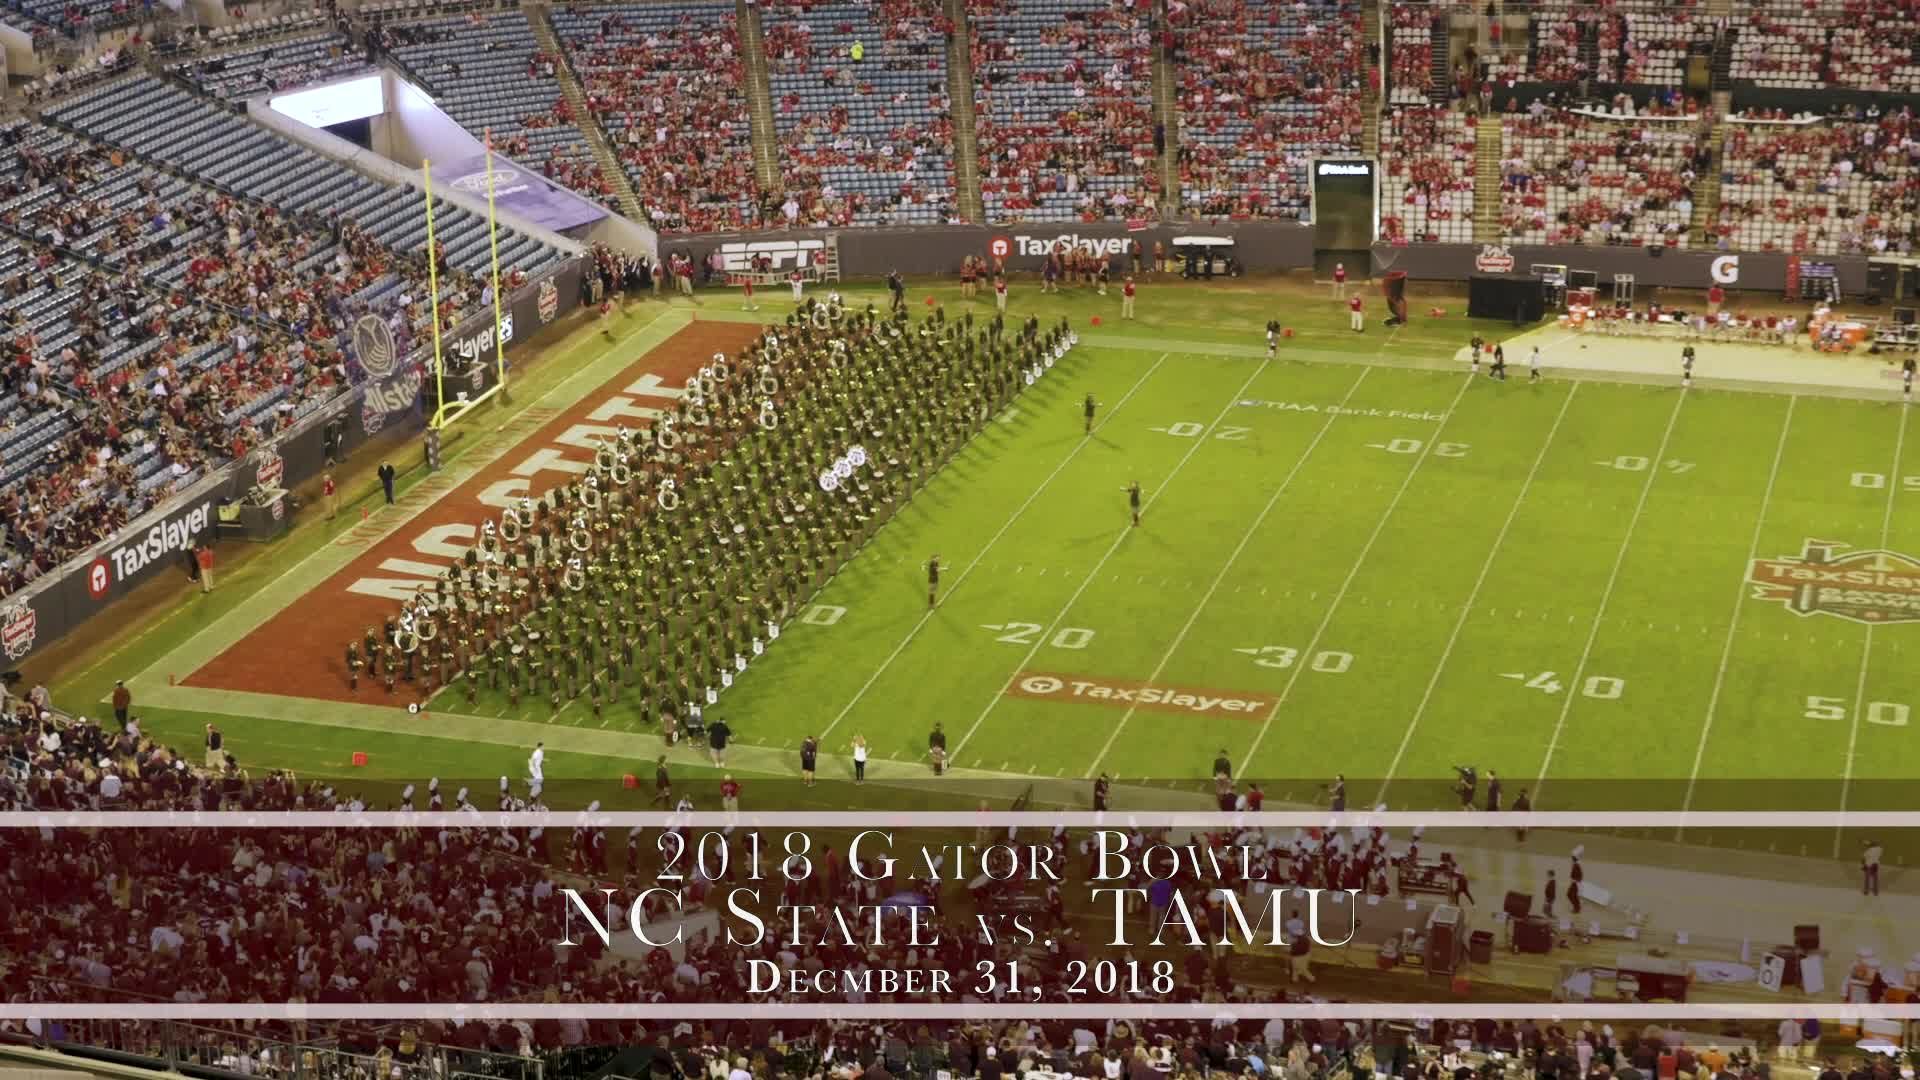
x=1404, y=570
x=1353, y=559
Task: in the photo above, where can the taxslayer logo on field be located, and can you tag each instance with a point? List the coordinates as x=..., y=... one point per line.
x=1865, y=586
x=99, y=579
x=1093, y=690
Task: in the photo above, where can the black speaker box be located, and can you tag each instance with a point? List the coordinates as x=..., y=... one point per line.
x=1533, y=935
x=1519, y=905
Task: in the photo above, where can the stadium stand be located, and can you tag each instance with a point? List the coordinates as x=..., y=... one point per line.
x=235, y=73
x=1264, y=89
x=1569, y=177
x=1835, y=187
x=867, y=142
x=1781, y=44
x=1426, y=185
x=158, y=121
x=665, y=82
x=488, y=73
x=1065, y=117
x=1410, y=54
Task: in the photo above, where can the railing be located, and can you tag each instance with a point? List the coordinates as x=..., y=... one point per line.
x=170, y=1045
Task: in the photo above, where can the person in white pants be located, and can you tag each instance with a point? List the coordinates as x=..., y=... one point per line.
x=798, y=285
x=536, y=764
x=1355, y=318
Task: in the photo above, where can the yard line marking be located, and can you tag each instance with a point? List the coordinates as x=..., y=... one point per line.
x=1227, y=567
x=1733, y=624
x=1606, y=595
x=1120, y=538
x=1466, y=609
x=1866, y=650
x=1313, y=643
x=1008, y=524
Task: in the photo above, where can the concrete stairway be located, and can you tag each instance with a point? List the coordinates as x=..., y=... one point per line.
x=1371, y=78
x=1166, y=114
x=583, y=118
x=1706, y=187
x=766, y=140
x=966, y=122
x=1486, y=181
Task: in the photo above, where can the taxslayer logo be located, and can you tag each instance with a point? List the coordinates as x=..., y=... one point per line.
x=1726, y=269
x=785, y=254
x=1042, y=245
x=1865, y=586
x=548, y=301
x=165, y=538
x=481, y=343
x=99, y=579
x=18, y=625
x=1494, y=259
x=1092, y=690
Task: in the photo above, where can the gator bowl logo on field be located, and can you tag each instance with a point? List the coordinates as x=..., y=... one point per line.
x=1865, y=586
x=373, y=346
x=18, y=624
x=1494, y=259
x=548, y=301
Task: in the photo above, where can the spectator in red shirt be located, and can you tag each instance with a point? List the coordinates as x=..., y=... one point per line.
x=730, y=794
x=1357, y=320
x=1126, y=298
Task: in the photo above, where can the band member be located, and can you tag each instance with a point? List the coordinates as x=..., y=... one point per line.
x=1090, y=406
x=353, y=666
x=1686, y=367
x=809, y=758
x=933, y=580
x=1133, y=500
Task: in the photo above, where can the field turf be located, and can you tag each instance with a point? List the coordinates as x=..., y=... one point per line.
x=1388, y=567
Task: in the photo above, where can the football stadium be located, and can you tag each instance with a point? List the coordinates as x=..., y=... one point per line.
x=1335, y=446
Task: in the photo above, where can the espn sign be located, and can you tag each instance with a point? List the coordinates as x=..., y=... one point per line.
x=738, y=255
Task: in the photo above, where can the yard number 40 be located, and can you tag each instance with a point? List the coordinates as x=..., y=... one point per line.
x=1884, y=713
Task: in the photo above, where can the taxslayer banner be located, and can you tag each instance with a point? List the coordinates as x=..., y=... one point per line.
x=1259, y=245
x=158, y=542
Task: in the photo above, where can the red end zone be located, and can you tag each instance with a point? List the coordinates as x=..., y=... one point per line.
x=300, y=651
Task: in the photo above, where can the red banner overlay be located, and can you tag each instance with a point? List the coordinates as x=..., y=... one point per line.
x=299, y=651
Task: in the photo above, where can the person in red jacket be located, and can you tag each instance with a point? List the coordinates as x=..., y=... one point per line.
x=331, y=492
x=1126, y=298
x=1340, y=281
x=204, y=556
x=1354, y=316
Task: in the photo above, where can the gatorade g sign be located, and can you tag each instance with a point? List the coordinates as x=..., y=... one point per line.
x=1726, y=270
x=1099, y=245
